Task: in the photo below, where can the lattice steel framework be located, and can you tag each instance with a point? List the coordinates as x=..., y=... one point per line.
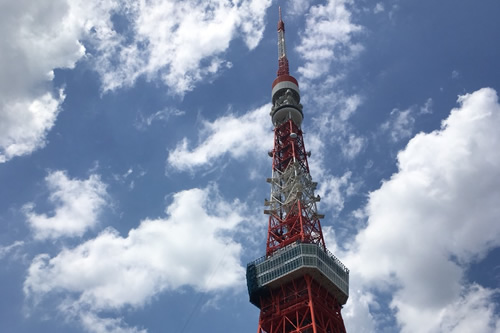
x=299, y=286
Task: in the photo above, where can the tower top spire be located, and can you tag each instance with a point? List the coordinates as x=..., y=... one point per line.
x=282, y=59
x=281, y=24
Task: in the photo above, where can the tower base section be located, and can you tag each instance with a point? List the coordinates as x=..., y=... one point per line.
x=300, y=306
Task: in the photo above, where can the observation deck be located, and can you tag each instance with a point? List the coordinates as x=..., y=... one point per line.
x=285, y=97
x=294, y=261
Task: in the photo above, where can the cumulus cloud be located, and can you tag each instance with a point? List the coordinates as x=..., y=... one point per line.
x=357, y=312
x=77, y=206
x=432, y=219
x=24, y=124
x=191, y=246
x=37, y=37
x=237, y=136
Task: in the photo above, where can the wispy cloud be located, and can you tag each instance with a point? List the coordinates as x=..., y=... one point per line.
x=163, y=115
x=5, y=250
x=333, y=191
x=400, y=124
x=327, y=38
x=379, y=7
x=297, y=7
x=179, y=43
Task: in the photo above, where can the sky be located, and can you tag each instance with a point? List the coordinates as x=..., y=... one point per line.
x=133, y=157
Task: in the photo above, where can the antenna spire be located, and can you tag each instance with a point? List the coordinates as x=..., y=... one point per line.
x=282, y=59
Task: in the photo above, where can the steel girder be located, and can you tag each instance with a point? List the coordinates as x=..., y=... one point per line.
x=301, y=305
x=292, y=205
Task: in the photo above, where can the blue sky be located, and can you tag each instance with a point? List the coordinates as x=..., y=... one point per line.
x=133, y=159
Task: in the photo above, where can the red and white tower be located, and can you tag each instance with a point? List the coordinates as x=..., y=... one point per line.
x=299, y=286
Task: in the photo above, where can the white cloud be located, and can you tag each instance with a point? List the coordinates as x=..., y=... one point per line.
x=191, y=246
x=25, y=123
x=329, y=128
x=162, y=115
x=356, y=313
x=180, y=42
x=95, y=324
x=296, y=7
x=331, y=125
x=327, y=37
x=432, y=219
x=77, y=206
x=237, y=136
x=352, y=146
x=5, y=250
x=333, y=191
x=427, y=107
x=474, y=311
x=379, y=7
x=37, y=37
x=400, y=124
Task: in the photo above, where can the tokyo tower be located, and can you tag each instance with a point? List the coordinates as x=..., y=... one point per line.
x=299, y=286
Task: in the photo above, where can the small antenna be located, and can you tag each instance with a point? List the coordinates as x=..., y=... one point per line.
x=281, y=24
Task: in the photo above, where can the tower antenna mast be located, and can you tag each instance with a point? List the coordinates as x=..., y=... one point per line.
x=282, y=59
